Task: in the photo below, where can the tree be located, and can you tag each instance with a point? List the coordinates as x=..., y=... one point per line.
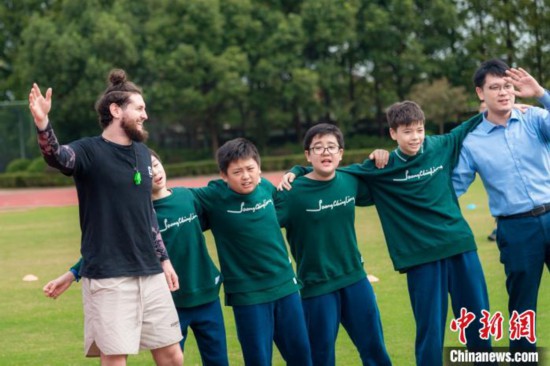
x=72, y=50
x=15, y=16
x=536, y=16
x=440, y=101
x=197, y=77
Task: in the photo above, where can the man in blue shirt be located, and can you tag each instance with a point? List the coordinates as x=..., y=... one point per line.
x=510, y=151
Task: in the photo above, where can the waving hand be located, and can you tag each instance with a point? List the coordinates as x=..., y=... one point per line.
x=40, y=106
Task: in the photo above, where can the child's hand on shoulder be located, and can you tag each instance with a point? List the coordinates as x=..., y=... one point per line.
x=286, y=182
x=380, y=158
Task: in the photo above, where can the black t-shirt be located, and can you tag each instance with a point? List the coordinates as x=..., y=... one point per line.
x=116, y=215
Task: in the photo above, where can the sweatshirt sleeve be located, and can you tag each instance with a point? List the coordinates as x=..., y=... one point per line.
x=298, y=170
x=75, y=269
x=457, y=136
x=279, y=199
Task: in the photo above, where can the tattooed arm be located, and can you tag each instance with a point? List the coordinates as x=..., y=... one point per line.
x=58, y=156
x=158, y=243
x=61, y=157
x=162, y=254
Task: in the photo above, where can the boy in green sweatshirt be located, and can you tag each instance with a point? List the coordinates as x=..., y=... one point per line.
x=426, y=234
x=197, y=300
x=259, y=281
x=319, y=217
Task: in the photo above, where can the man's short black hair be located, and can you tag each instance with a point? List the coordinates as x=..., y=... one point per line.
x=494, y=67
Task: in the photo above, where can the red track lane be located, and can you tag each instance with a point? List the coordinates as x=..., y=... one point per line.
x=66, y=196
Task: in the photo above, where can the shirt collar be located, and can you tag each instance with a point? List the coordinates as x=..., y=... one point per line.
x=404, y=157
x=488, y=126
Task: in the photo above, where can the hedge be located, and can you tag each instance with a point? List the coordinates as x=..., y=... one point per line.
x=18, y=165
x=27, y=180
x=205, y=167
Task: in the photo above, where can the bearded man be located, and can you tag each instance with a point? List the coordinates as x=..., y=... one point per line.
x=126, y=296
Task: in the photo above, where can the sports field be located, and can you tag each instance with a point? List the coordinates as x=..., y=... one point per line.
x=44, y=241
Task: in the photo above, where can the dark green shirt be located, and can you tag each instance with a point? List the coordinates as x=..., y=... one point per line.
x=181, y=231
x=416, y=202
x=319, y=217
x=253, y=257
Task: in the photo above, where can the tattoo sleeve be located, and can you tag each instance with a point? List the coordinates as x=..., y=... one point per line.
x=61, y=157
x=158, y=243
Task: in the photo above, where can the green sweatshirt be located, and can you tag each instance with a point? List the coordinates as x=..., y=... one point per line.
x=319, y=217
x=416, y=202
x=181, y=232
x=253, y=256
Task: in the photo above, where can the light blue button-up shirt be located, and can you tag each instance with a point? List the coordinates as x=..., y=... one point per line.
x=513, y=161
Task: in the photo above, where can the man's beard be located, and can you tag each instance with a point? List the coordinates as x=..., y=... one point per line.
x=133, y=132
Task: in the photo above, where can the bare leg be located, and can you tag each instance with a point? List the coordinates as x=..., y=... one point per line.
x=168, y=356
x=113, y=360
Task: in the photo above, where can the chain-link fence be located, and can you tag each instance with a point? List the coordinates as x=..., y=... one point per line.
x=17, y=133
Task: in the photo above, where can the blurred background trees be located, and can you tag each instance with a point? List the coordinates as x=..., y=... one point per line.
x=265, y=69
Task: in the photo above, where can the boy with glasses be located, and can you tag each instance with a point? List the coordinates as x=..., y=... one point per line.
x=319, y=217
x=426, y=234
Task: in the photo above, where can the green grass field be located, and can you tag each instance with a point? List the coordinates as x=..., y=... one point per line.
x=35, y=330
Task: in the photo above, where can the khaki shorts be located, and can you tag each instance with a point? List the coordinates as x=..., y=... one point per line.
x=125, y=314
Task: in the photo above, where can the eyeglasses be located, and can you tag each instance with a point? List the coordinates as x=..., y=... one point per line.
x=319, y=150
x=498, y=88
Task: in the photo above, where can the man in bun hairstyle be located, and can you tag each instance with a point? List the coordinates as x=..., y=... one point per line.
x=125, y=270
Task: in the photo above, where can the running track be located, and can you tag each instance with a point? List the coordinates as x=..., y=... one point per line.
x=66, y=196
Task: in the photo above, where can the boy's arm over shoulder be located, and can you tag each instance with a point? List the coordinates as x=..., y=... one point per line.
x=464, y=172
x=190, y=196
x=363, y=169
x=459, y=133
x=454, y=139
x=204, y=195
x=289, y=177
x=299, y=170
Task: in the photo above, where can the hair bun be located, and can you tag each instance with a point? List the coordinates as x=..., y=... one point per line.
x=117, y=76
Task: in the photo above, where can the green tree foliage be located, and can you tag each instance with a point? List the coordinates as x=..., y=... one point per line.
x=260, y=68
x=440, y=101
x=72, y=51
x=197, y=77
